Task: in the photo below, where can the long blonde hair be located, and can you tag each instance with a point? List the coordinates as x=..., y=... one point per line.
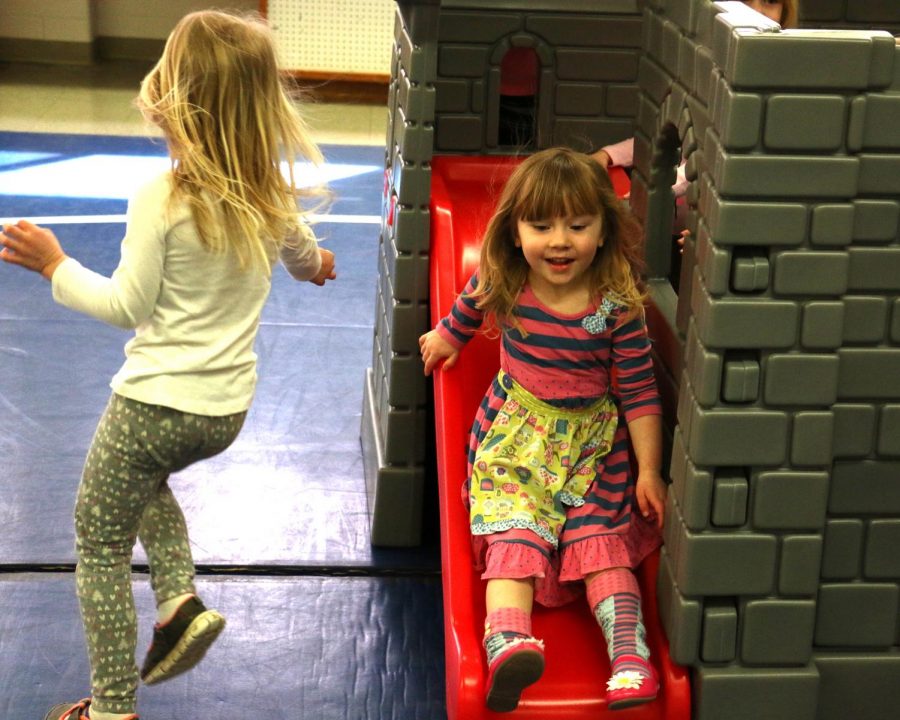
x=218, y=98
x=559, y=182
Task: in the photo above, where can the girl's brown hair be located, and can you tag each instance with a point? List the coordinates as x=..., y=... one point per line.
x=559, y=182
x=218, y=98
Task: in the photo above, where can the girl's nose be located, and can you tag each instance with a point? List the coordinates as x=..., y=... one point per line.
x=559, y=236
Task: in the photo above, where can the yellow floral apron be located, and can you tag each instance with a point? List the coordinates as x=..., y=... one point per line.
x=535, y=460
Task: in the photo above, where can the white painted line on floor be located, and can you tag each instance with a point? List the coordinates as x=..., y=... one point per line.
x=120, y=176
x=98, y=219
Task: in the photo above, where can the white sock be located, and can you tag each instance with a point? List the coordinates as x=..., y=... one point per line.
x=166, y=610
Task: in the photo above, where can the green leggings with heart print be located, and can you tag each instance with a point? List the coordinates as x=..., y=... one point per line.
x=124, y=496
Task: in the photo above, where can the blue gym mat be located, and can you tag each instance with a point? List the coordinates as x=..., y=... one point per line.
x=294, y=648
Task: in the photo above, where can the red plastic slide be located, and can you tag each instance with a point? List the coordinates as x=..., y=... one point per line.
x=463, y=193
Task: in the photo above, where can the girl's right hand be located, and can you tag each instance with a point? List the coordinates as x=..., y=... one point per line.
x=33, y=247
x=433, y=348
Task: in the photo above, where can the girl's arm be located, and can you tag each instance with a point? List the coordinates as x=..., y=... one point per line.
x=620, y=153
x=304, y=259
x=633, y=365
x=641, y=406
x=453, y=331
x=646, y=441
x=128, y=297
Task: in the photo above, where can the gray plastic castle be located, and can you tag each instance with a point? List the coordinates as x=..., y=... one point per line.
x=778, y=355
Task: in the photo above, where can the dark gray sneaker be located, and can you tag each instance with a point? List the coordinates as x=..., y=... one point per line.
x=181, y=642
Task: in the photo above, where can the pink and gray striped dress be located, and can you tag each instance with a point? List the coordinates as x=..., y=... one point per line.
x=565, y=362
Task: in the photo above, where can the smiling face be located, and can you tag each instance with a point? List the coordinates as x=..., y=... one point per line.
x=772, y=10
x=559, y=251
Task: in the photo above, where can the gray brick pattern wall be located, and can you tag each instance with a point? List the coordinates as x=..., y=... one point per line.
x=780, y=583
x=394, y=427
x=588, y=56
x=851, y=14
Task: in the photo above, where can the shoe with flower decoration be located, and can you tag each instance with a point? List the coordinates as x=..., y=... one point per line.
x=630, y=687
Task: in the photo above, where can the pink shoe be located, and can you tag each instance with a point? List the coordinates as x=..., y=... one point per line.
x=517, y=667
x=627, y=688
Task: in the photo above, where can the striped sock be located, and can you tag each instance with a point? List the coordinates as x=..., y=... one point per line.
x=615, y=598
x=502, y=627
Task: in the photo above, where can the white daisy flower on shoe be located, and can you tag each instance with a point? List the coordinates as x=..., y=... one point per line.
x=625, y=680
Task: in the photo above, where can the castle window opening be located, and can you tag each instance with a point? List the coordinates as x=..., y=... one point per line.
x=518, y=98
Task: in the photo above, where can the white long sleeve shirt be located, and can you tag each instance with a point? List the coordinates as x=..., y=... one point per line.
x=195, y=313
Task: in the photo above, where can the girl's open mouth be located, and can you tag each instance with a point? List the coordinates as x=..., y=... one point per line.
x=559, y=264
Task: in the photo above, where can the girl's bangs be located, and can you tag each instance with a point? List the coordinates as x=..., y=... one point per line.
x=568, y=192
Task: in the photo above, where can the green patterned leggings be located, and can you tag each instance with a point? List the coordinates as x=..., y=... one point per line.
x=124, y=496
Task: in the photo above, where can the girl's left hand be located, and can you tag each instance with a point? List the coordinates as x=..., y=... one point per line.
x=32, y=247
x=326, y=272
x=651, y=492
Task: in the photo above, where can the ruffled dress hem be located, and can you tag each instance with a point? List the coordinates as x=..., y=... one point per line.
x=602, y=552
x=559, y=574
x=497, y=526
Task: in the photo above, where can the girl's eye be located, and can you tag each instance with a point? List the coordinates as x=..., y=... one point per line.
x=540, y=227
x=578, y=227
